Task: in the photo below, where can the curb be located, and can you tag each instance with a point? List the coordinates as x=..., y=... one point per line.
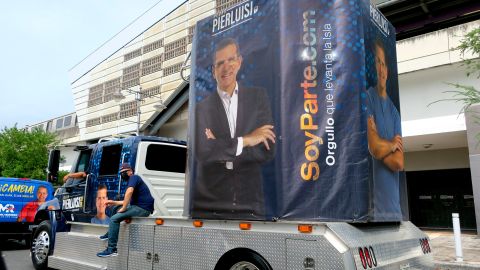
x=455, y=266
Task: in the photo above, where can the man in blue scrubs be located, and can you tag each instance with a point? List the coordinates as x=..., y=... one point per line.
x=385, y=144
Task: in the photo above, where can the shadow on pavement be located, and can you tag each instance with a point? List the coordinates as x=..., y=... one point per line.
x=9, y=244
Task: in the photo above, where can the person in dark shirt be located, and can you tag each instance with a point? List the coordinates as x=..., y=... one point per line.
x=138, y=202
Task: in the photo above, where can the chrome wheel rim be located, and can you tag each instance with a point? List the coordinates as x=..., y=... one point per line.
x=41, y=246
x=244, y=266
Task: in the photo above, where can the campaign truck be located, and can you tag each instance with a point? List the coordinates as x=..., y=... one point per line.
x=294, y=158
x=20, y=199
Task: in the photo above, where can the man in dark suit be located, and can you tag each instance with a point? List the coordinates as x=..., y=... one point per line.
x=233, y=137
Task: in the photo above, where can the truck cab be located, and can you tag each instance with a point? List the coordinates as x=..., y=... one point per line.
x=159, y=161
x=156, y=160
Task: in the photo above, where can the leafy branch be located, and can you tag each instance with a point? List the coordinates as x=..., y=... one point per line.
x=465, y=94
x=471, y=44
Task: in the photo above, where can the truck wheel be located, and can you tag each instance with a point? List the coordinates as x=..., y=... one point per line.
x=41, y=245
x=244, y=261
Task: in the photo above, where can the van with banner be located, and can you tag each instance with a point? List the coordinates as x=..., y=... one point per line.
x=20, y=200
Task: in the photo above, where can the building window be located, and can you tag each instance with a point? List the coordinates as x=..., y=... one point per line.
x=131, y=76
x=152, y=65
x=37, y=127
x=128, y=109
x=223, y=5
x=153, y=46
x=67, y=121
x=93, y=122
x=95, y=95
x=109, y=118
x=176, y=48
x=59, y=123
x=156, y=90
x=132, y=55
x=167, y=158
x=110, y=159
x=110, y=88
x=191, y=30
x=172, y=69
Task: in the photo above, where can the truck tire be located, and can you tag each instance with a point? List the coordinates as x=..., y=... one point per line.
x=41, y=245
x=243, y=261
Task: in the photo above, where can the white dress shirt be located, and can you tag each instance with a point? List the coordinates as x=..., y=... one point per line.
x=230, y=104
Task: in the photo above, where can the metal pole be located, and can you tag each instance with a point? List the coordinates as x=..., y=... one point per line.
x=138, y=99
x=457, y=236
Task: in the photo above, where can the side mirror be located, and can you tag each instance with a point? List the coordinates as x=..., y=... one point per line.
x=53, y=164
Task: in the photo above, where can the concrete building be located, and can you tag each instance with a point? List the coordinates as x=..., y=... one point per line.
x=148, y=56
x=66, y=129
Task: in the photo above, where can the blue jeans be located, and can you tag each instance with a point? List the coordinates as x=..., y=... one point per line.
x=114, y=226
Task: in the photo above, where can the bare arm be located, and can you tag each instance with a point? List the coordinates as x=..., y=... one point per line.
x=124, y=203
x=126, y=199
x=74, y=175
x=390, y=152
x=394, y=161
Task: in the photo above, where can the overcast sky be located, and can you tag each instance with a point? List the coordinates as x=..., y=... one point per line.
x=41, y=40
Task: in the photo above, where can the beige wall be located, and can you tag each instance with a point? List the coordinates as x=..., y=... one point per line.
x=432, y=49
x=454, y=158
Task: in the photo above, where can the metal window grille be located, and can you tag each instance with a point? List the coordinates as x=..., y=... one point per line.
x=131, y=76
x=109, y=117
x=128, y=109
x=132, y=54
x=110, y=88
x=95, y=95
x=223, y=5
x=93, y=122
x=156, y=90
x=152, y=65
x=175, y=48
x=172, y=69
x=153, y=46
x=191, y=30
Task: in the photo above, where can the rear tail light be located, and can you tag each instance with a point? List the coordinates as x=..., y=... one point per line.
x=425, y=245
x=367, y=257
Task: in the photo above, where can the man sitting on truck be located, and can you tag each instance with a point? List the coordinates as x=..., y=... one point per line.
x=138, y=202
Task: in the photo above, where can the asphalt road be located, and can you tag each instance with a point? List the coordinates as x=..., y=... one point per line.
x=16, y=255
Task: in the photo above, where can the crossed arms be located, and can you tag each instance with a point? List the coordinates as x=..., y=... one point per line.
x=389, y=151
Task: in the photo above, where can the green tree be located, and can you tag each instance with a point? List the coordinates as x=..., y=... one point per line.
x=468, y=94
x=24, y=154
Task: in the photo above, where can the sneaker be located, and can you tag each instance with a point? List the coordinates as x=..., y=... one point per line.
x=103, y=237
x=108, y=253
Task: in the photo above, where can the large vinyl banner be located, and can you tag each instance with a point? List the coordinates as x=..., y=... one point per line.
x=294, y=114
